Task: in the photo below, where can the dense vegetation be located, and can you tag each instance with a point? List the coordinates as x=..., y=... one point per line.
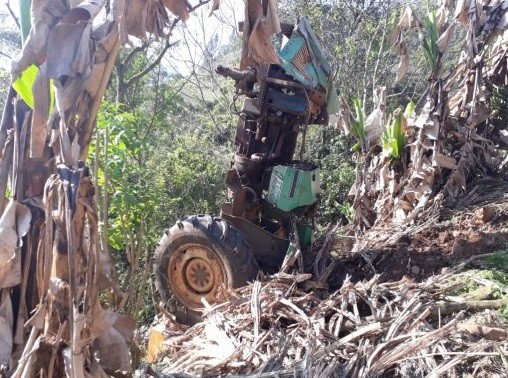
x=169, y=134
x=164, y=136
x=414, y=168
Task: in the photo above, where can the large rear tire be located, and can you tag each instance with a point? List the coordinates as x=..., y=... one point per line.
x=198, y=257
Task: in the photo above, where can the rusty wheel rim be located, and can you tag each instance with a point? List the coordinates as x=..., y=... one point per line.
x=196, y=271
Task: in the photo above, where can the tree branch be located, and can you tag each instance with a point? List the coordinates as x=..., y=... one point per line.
x=199, y=86
x=16, y=20
x=133, y=52
x=136, y=77
x=6, y=55
x=167, y=45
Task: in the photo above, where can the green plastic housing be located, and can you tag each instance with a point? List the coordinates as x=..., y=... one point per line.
x=292, y=186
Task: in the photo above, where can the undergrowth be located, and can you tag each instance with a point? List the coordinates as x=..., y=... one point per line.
x=489, y=281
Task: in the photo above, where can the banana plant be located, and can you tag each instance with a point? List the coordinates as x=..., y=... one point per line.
x=393, y=139
x=429, y=40
x=358, y=124
x=24, y=83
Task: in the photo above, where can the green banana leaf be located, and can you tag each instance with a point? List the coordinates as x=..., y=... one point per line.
x=24, y=83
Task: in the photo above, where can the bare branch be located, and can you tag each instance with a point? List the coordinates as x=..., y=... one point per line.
x=136, y=77
x=133, y=53
x=198, y=83
x=16, y=19
x=167, y=45
x=6, y=55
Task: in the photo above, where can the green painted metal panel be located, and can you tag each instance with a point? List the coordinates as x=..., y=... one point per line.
x=305, y=232
x=292, y=186
x=316, y=73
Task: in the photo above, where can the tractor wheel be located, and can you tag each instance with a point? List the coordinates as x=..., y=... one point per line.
x=197, y=258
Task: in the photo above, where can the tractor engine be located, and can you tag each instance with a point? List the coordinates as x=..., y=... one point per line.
x=270, y=190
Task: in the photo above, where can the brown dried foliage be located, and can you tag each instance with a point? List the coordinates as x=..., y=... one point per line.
x=362, y=330
x=448, y=141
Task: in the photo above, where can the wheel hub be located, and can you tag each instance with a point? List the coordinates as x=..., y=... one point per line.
x=195, y=271
x=199, y=275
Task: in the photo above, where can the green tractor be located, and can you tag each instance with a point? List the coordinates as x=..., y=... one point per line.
x=272, y=197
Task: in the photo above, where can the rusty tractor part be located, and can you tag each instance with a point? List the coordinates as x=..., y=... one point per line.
x=201, y=257
x=272, y=198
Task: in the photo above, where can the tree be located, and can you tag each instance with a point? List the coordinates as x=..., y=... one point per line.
x=10, y=44
x=146, y=150
x=61, y=249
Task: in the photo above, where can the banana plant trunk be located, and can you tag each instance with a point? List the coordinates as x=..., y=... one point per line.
x=53, y=321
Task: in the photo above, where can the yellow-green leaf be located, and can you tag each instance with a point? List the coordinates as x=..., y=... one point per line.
x=24, y=83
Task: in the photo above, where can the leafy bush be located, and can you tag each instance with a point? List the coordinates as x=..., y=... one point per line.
x=336, y=180
x=328, y=148
x=147, y=179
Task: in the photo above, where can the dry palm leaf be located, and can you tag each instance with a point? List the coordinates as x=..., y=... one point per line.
x=180, y=8
x=402, y=68
x=344, y=117
x=215, y=6
x=42, y=104
x=136, y=12
x=113, y=352
x=433, y=169
x=6, y=325
x=74, y=280
x=68, y=50
x=444, y=39
x=46, y=14
x=157, y=19
x=369, y=327
x=440, y=160
x=462, y=11
x=14, y=224
x=408, y=19
x=260, y=24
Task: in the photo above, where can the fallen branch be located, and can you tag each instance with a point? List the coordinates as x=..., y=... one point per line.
x=491, y=333
x=447, y=308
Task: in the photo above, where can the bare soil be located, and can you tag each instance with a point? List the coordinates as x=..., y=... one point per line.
x=456, y=238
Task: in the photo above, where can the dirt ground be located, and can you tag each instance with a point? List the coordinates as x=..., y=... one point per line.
x=457, y=237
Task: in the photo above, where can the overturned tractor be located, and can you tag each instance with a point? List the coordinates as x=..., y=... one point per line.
x=272, y=197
